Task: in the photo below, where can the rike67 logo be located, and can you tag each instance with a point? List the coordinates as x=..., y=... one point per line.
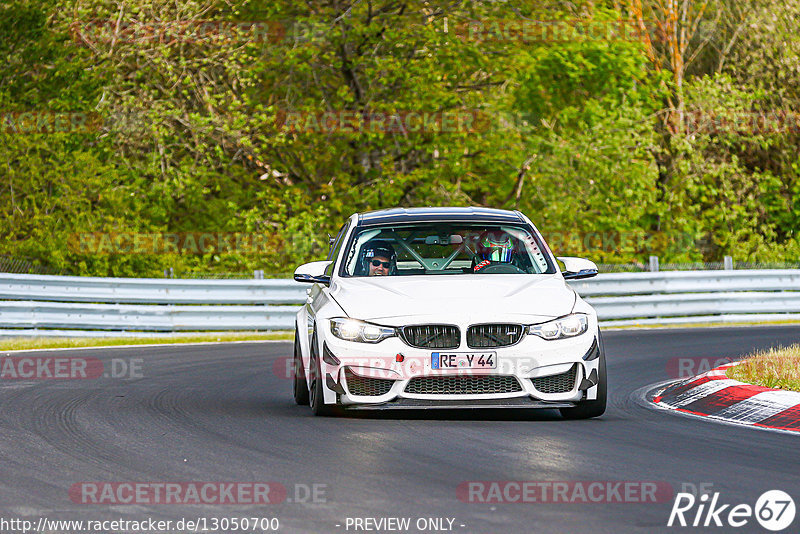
x=774, y=510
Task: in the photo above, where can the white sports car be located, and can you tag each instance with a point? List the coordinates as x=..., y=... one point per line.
x=446, y=308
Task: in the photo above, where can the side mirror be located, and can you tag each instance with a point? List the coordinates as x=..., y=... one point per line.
x=577, y=268
x=313, y=273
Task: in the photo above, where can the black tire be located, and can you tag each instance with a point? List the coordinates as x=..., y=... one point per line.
x=592, y=408
x=299, y=379
x=318, y=406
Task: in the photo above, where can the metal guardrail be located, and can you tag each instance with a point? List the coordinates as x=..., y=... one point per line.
x=149, y=290
x=671, y=282
x=27, y=314
x=39, y=305
x=42, y=305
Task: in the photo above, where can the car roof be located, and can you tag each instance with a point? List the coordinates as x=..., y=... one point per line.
x=411, y=215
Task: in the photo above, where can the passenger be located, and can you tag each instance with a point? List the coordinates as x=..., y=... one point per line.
x=380, y=257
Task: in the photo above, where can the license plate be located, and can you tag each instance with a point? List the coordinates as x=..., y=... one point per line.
x=463, y=360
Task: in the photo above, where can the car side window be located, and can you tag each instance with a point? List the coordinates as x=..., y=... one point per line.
x=337, y=245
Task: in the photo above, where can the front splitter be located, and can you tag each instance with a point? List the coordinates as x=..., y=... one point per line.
x=483, y=404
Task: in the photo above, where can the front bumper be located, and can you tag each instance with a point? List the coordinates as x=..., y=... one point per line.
x=534, y=373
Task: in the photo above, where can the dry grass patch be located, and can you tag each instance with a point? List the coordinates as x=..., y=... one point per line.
x=774, y=368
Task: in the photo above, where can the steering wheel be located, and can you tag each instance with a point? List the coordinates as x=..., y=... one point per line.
x=502, y=268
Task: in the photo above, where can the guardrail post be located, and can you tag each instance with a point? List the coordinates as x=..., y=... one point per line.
x=727, y=263
x=653, y=264
x=258, y=274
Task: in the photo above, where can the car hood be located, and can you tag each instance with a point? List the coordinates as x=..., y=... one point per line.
x=475, y=298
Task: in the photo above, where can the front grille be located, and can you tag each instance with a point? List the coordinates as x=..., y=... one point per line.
x=463, y=385
x=482, y=336
x=561, y=383
x=366, y=386
x=432, y=336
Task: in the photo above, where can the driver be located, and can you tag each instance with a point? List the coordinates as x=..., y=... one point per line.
x=380, y=257
x=494, y=246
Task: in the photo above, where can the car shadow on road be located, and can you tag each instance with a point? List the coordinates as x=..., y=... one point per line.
x=471, y=414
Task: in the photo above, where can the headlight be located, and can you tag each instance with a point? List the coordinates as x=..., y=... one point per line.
x=568, y=326
x=355, y=330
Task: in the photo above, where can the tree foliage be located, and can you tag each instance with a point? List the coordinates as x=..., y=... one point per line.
x=233, y=116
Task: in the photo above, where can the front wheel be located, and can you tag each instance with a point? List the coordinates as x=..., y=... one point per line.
x=317, y=399
x=592, y=408
x=299, y=378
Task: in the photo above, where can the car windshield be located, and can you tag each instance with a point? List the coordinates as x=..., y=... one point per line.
x=445, y=248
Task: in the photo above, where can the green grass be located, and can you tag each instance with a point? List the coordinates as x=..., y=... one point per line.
x=774, y=368
x=23, y=343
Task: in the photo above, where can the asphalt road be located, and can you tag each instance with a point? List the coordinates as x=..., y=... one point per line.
x=224, y=413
